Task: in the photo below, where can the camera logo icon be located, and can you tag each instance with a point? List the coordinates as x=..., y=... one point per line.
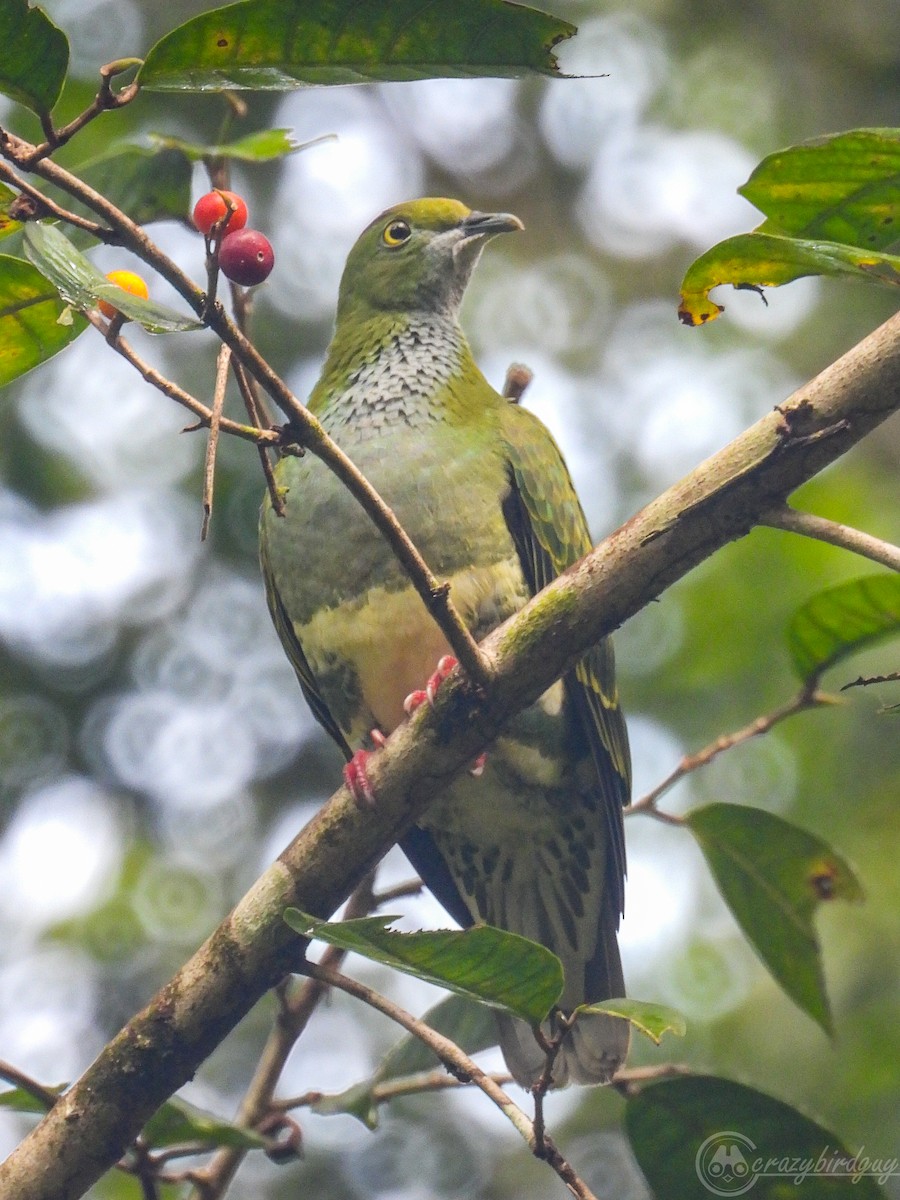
x=724, y=1164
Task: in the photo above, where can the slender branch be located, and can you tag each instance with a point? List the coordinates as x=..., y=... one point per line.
x=39, y=205
x=629, y=1082
x=464, y=1068
x=808, y=697
x=411, y=887
x=397, y=1089
x=209, y=467
x=844, y=536
x=263, y=437
x=25, y=1083
x=105, y=100
x=253, y=949
x=253, y=405
x=307, y=431
x=868, y=680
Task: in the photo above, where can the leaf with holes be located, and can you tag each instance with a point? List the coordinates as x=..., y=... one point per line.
x=759, y=260
x=840, y=188
x=283, y=44
x=832, y=207
x=773, y=876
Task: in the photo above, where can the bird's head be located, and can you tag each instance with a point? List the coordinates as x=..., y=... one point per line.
x=418, y=256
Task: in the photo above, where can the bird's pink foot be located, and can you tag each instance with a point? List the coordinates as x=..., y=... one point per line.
x=420, y=695
x=356, y=774
x=428, y=693
x=356, y=777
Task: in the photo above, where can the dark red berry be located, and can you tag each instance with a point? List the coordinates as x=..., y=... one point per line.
x=212, y=208
x=246, y=257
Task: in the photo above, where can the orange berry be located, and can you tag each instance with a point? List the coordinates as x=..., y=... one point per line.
x=128, y=282
x=212, y=207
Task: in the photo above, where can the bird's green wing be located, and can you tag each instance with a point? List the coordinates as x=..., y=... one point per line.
x=294, y=651
x=550, y=532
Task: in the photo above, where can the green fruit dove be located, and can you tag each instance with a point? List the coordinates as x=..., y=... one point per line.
x=535, y=845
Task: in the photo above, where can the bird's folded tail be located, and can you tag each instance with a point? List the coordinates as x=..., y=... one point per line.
x=596, y=1045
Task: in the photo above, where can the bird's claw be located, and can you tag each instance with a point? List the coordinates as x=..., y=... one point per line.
x=427, y=694
x=420, y=695
x=356, y=774
x=357, y=780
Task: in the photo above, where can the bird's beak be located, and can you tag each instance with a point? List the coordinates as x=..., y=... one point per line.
x=479, y=224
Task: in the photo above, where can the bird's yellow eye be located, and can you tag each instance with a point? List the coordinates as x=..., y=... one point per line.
x=396, y=233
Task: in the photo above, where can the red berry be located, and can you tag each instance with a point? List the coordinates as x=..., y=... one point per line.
x=246, y=257
x=212, y=208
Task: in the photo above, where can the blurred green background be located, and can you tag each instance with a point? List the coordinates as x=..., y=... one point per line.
x=155, y=753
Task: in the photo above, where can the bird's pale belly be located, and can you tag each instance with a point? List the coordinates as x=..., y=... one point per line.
x=390, y=644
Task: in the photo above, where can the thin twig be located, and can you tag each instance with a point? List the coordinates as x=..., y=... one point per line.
x=252, y=403
x=410, y=887
x=630, y=1081
x=845, y=536
x=40, y=205
x=463, y=1068
x=396, y=1089
x=105, y=100
x=263, y=437
x=307, y=431
x=868, y=680
x=209, y=467
x=19, y=1079
x=808, y=697
x=550, y=1047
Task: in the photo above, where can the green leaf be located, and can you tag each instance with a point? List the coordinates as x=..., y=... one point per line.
x=262, y=146
x=832, y=208
x=148, y=184
x=8, y=224
x=483, y=963
x=32, y=319
x=841, y=188
x=651, y=1019
x=81, y=284
x=178, y=1121
x=34, y=56
x=757, y=260
x=700, y=1137
x=841, y=620
x=773, y=877
x=18, y=1100
x=283, y=44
